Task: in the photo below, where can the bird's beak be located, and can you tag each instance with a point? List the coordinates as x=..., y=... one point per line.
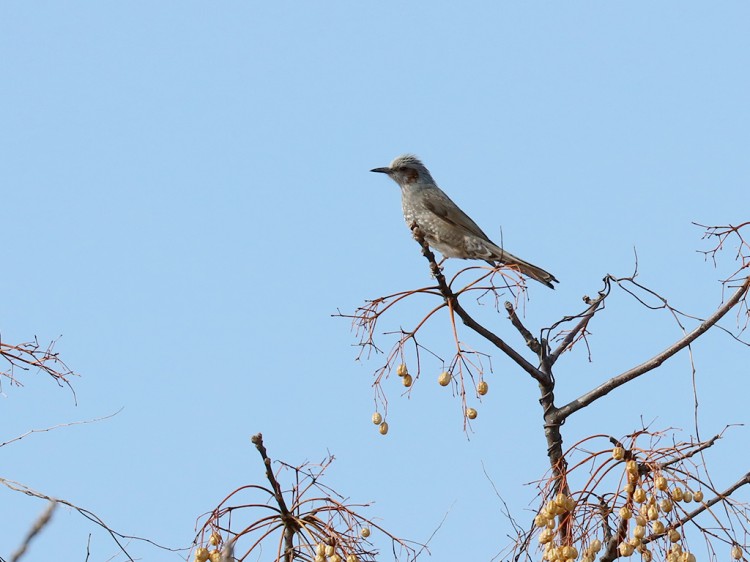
x=382, y=170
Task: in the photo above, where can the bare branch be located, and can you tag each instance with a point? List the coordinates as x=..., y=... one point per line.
x=466, y=318
x=39, y=524
x=617, y=381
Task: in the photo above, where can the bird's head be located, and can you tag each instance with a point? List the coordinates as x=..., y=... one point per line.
x=407, y=169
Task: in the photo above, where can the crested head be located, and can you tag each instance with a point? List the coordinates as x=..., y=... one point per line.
x=407, y=169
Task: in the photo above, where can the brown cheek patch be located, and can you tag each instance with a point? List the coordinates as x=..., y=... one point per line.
x=411, y=175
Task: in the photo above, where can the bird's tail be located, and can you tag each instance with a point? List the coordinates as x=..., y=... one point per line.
x=528, y=269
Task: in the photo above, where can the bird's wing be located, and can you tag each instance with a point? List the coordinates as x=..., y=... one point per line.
x=444, y=208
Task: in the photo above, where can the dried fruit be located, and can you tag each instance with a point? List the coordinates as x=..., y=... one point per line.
x=377, y=418
x=334, y=558
x=646, y=555
x=320, y=558
x=402, y=370
x=214, y=555
x=365, y=532
x=625, y=512
x=639, y=531
x=482, y=388
x=201, y=554
x=736, y=552
x=618, y=453
x=658, y=527
x=214, y=539
x=687, y=497
x=329, y=550
x=677, y=494
x=626, y=549
x=641, y=520
x=444, y=379
x=698, y=496
x=666, y=505
x=320, y=549
x=546, y=536
x=596, y=545
x=383, y=428
x=639, y=496
x=653, y=513
x=471, y=413
x=674, y=535
x=632, y=467
x=351, y=558
x=661, y=483
x=407, y=380
x=540, y=521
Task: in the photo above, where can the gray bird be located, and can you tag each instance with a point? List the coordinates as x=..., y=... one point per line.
x=446, y=227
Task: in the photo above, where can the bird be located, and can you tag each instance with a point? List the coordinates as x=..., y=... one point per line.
x=445, y=226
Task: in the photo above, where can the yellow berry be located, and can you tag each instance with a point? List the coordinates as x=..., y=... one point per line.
x=214, y=539
x=471, y=413
x=687, y=497
x=444, y=379
x=383, y=428
x=596, y=545
x=736, y=552
x=626, y=549
x=653, y=513
x=618, y=453
x=329, y=550
x=320, y=549
x=540, y=521
x=632, y=466
x=666, y=505
x=320, y=558
x=688, y=557
x=482, y=388
x=334, y=558
x=377, y=418
x=677, y=494
x=661, y=483
x=646, y=555
x=351, y=558
x=625, y=512
x=560, y=499
x=546, y=536
x=639, y=531
x=629, y=488
x=639, y=496
x=641, y=520
x=201, y=554
x=407, y=380
x=214, y=555
x=402, y=370
x=698, y=496
x=658, y=527
x=674, y=535
x=570, y=504
x=365, y=532
x=570, y=552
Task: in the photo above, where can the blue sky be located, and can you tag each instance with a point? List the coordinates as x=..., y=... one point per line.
x=186, y=199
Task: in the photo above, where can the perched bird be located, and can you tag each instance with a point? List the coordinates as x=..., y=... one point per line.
x=445, y=226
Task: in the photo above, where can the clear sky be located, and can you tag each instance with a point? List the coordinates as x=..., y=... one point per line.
x=186, y=199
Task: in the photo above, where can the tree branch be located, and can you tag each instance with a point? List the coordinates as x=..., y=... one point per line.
x=617, y=381
x=466, y=318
